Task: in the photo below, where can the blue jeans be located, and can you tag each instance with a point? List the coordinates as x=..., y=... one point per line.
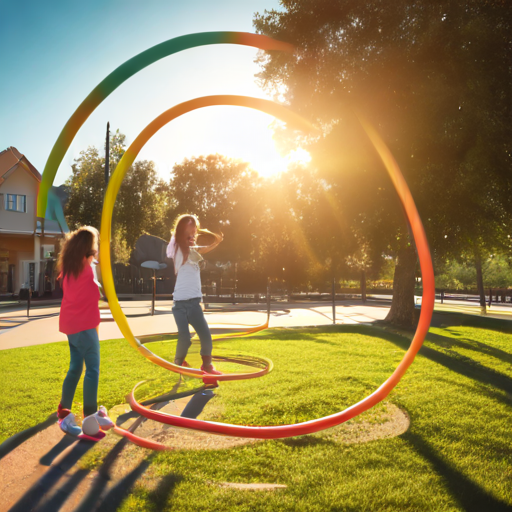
x=84, y=346
x=189, y=312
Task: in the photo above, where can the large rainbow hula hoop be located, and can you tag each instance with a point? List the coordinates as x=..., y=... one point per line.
x=106, y=87
x=281, y=431
x=125, y=71
x=114, y=185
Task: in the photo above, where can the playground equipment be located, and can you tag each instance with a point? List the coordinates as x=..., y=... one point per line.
x=262, y=365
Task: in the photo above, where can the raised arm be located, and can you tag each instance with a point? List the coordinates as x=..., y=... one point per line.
x=208, y=248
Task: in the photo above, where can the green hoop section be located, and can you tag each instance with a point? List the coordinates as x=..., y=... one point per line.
x=266, y=106
x=125, y=71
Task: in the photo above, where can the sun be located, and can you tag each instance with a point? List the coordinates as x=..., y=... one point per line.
x=234, y=132
x=270, y=163
x=299, y=156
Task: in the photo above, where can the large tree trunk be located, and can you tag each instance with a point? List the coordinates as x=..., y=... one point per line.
x=480, y=280
x=402, y=312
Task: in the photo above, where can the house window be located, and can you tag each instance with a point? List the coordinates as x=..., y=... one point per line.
x=15, y=203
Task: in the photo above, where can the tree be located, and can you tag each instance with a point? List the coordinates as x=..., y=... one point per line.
x=141, y=204
x=434, y=78
x=86, y=188
x=224, y=194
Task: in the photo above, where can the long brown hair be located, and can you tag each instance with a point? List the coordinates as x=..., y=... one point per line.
x=78, y=245
x=178, y=231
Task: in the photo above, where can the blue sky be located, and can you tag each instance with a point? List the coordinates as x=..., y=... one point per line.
x=54, y=53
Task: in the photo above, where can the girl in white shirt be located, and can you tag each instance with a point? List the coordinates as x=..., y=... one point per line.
x=187, y=290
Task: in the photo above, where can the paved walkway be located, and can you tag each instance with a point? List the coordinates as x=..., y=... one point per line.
x=43, y=324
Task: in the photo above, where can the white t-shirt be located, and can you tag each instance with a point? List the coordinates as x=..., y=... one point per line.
x=188, y=277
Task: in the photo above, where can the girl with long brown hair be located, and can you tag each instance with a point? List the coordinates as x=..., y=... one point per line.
x=79, y=320
x=187, y=291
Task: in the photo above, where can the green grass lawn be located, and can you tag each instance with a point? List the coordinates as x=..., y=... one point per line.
x=456, y=455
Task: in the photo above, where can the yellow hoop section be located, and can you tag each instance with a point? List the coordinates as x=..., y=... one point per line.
x=114, y=185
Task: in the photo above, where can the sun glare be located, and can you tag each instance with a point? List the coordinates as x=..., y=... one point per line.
x=236, y=133
x=299, y=156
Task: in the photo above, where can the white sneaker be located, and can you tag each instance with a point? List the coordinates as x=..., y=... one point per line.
x=90, y=425
x=69, y=426
x=101, y=416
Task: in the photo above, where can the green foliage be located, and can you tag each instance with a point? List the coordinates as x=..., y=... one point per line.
x=224, y=194
x=141, y=205
x=86, y=188
x=459, y=275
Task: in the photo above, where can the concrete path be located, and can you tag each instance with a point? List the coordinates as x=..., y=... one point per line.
x=18, y=330
x=43, y=324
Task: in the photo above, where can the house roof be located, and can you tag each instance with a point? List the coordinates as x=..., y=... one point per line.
x=10, y=159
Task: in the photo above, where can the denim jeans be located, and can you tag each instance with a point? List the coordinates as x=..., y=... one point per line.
x=84, y=346
x=189, y=312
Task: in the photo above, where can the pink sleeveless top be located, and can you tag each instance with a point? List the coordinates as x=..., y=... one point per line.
x=79, y=310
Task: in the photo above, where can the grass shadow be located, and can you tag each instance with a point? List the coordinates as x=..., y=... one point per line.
x=159, y=497
x=113, y=499
x=452, y=319
x=466, y=366
x=474, y=345
x=457, y=363
x=307, y=440
x=469, y=495
x=500, y=396
x=95, y=499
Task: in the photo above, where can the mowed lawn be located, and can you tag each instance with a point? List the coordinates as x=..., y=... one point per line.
x=456, y=455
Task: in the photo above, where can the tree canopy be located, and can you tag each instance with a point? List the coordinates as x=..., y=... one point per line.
x=434, y=79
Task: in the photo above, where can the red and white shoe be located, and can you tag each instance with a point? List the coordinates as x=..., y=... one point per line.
x=101, y=416
x=91, y=429
x=68, y=424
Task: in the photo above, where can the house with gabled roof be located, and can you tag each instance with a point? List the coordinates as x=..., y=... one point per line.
x=27, y=259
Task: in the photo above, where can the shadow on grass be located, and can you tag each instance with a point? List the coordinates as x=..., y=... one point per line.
x=159, y=497
x=307, y=440
x=449, y=319
x=42, y=488
x=456, y=363
x=47, y=496
x=468, y=344
x=14, y=441
x=464, y=365
x=96, y=499
x=312, y=334
x=469, y=495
